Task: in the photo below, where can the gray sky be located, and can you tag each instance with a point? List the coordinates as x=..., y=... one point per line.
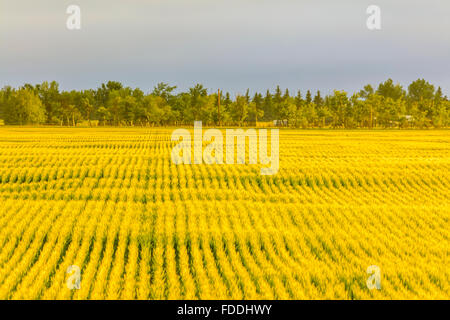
x=227, y=44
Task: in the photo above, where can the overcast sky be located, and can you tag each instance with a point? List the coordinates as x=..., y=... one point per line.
x=227, y=44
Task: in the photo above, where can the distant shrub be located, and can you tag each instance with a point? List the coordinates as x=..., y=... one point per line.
x=85, y=123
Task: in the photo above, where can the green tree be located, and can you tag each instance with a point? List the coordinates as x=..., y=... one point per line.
x=49, y=95
x=114, y=106
x=23, y=106
x=255, y=112
x=338, y=106
x=104, y=114
x=318, y=100
x=387, y=89
x=87, y=104
x=308, y=98
x=298, y=100
x=198, y=95
x=164, y=91
x=240, y=109
x=268, y=106
x=420, y=90
x=366, y=92
x=156, y=110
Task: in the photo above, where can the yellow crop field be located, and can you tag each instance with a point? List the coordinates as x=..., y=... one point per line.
x=111, y=202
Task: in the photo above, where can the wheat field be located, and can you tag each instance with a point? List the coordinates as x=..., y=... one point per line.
x=110, y=201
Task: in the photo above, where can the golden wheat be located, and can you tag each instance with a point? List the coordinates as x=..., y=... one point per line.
x=140, y=227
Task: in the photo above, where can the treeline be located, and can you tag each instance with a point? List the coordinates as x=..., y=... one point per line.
x=389, y=105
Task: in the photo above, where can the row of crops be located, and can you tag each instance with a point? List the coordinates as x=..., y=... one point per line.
x=111, y=202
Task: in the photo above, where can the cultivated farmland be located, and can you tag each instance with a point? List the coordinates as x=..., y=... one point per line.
x=140, y=227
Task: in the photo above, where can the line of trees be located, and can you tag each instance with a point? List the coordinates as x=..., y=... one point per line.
x=389, y=105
